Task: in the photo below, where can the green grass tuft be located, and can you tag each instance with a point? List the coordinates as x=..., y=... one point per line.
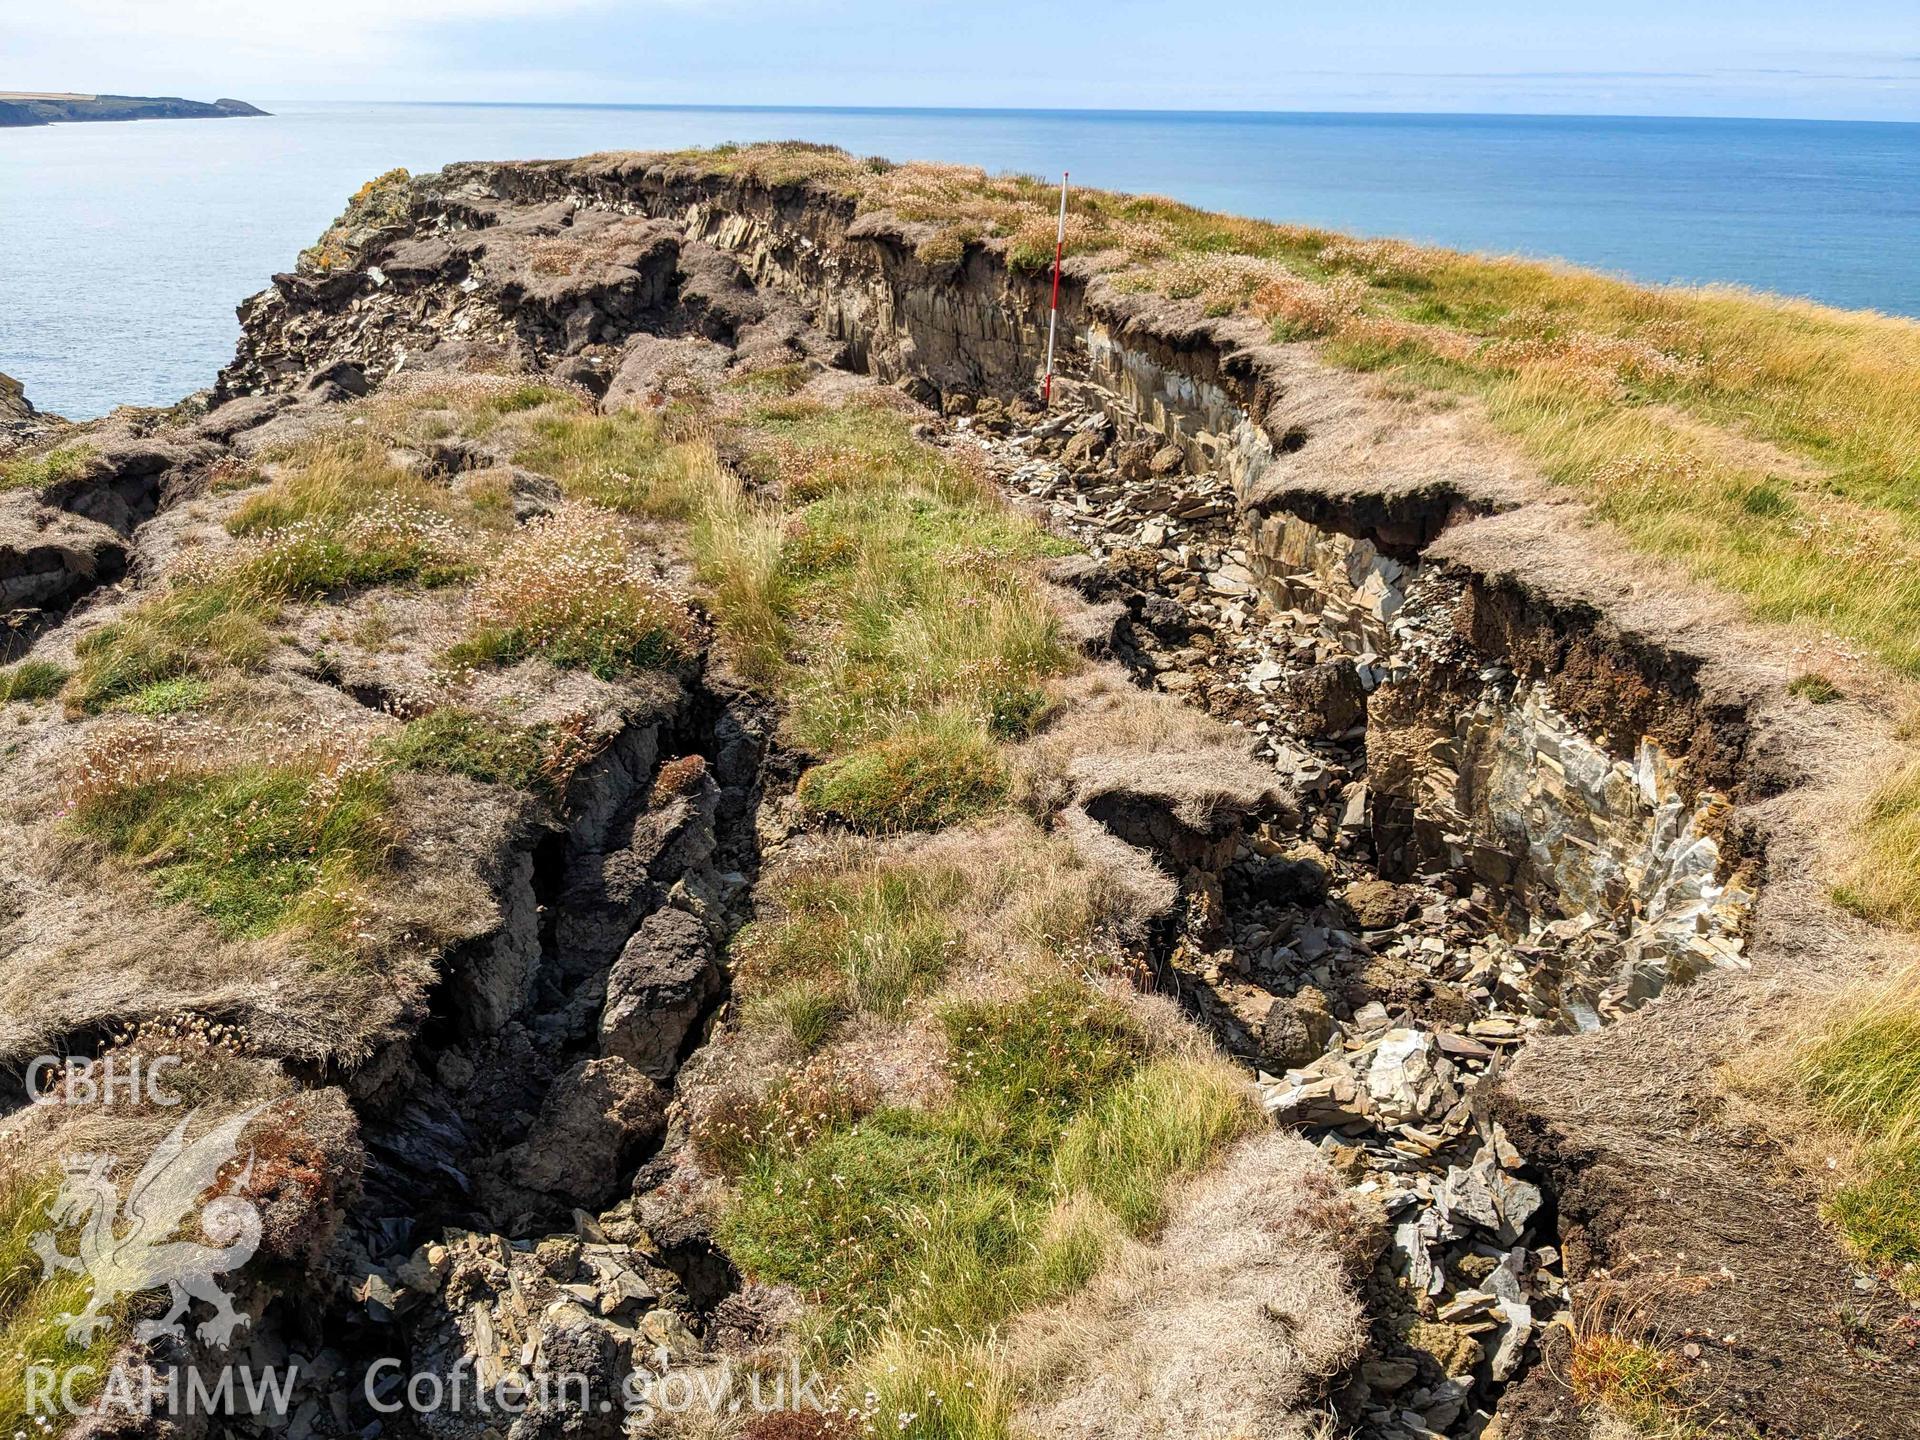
x=891, y=583
x=1167, y=1119
x=192, y=629
x=938, y=1224
x=1636, y=1381
x=623, y=461
x=1881, y=880
x=341, y=517
x=258, y=847
x=918, y=780
x=805, y=1011
x=1879, y=1211
x=457, y=741
x=1817, y=689
x=36, y=472
x=168, y=697
x=31, y=1304
x=31, y=680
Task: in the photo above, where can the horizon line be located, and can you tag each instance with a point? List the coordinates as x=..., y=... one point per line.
x=1088, y=110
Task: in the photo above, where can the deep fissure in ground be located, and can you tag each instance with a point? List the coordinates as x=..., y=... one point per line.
x=1373, y=952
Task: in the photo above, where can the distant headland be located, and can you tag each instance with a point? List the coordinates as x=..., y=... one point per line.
x=31, y=107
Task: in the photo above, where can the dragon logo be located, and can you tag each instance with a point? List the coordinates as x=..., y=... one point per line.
x=132, y=1248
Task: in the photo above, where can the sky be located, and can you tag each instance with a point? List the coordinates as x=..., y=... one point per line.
x=1853, y=60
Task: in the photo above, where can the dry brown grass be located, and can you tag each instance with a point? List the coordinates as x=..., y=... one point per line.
x=1227, y=1324
x=1101, y=711
x=1619, y=1366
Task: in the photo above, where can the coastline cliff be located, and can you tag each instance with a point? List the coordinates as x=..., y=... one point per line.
x=761, y=844
x=20, y=108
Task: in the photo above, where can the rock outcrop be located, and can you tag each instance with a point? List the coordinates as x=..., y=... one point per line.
x=15, y=408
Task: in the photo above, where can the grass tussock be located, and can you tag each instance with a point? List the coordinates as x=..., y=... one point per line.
x=168, y=697
x=1814, y=688
x=930, y=608
x=416, y=410
x=343, y=516
x=31, y=680
x=931, y=1391
x=1770, y=445
x=1862, y=1074
x=195, y=628
x=751, y=589
x=863, y=938
x=888, y=592
x=459, y=742
x=31, y=1303
x=1168, y=1118
x=260, y=846
x=49, y=467
x=938, y=1221
x=1881, y=880
x=921, y=779
x=1635, y=1381
x=566, y=590
x=625, y=461
x=281, y=836
x=652, y=464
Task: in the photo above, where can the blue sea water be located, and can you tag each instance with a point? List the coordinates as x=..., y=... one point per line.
x=124, y=247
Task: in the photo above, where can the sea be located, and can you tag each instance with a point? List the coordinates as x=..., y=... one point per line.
x=124, y=248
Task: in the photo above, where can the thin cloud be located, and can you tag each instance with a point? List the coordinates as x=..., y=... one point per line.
x=116, y=33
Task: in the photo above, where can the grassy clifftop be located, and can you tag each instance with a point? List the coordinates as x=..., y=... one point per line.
x=1771, y=445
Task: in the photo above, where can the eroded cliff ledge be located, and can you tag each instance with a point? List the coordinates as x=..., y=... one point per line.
x=1590, y=738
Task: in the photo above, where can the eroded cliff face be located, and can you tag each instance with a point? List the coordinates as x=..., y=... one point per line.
x=1577, y=772
x=1293, y=960
x=15, y=408
x=1494, y=812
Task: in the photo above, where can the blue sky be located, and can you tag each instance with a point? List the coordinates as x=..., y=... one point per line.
x=1683, y=57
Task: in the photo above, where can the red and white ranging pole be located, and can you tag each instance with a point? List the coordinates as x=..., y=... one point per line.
x=1053, y=315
